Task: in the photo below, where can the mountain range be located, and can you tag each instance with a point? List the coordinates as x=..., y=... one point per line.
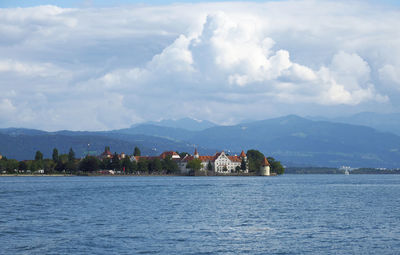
x=294, y=140
x=389, y=122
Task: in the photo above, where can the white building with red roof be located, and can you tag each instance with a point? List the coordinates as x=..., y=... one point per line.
x=220, y=162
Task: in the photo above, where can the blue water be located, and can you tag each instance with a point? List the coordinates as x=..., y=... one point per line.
x=291, y=214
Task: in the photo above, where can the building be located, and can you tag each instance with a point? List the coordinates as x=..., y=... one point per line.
x=171, y=154
x=265, y=168
x=106, y=154
x=218, y=163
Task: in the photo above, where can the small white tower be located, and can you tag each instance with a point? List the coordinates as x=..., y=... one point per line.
x=265, y=168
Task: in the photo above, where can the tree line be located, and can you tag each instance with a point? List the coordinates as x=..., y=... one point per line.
x=58, y=163
x=127, y=166
x=69, y=164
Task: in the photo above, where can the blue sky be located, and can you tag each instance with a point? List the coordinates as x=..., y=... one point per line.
x=111, y=66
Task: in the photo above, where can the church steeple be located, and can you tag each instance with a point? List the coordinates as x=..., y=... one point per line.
x=196, y=154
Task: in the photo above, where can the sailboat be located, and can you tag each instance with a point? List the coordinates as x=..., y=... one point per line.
x=346, y=172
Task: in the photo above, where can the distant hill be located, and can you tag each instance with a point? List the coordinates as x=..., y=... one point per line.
x=291, y=139
x=294, y=140
x=298, y=141
x=21, y=131
x=178, y=134
x=24, y=146
x=382, y=122
x=184, y=123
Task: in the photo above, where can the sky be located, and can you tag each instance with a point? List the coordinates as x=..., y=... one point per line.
x=101, y=65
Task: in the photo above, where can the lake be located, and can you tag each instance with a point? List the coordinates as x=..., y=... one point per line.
x=290, y=214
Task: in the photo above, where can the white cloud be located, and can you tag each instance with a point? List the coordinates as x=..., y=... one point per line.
x=109, y=67
x=390, y=75
x=6, y=106
x=30, y=69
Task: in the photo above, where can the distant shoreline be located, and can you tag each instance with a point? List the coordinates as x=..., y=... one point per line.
x=117, y=175
x=171, y=175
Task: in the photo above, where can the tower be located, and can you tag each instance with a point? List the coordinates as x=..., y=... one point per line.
x=265, y=168
x=196, y=154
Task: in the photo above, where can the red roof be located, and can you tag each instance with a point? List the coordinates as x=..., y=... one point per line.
x=207, y=158
x=168, y=153
x=242, y=154
x=235, y=158
x=107, y=154
x=265, y=162
x=187, y=158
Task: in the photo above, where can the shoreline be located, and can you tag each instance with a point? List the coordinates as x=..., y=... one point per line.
x=126, y=175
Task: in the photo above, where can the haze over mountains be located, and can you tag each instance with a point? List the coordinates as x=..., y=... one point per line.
x=184, y=123
x=294, y=140
x=384, y=122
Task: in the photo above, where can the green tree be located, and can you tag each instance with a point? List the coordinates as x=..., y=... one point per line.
x=2, y=164
x=209, y=166
x=49, y=165
x=243, y=165
x=11, y=165
x=71, y=166
x=106, y=163
x=255, y=159
x=276, y=166
x=38, y=156
x=38, y=160
x=22, y=165
x=126, y=165
x=62, y=162
x=115, y=162
x=194, y=165
x=155, y=166
x=134, y=167
x=89, y=164
x=55, y=155
x=71, y=155
x=170, y=166
x=136, y=151
x=32, y=165
x=60, y=166
x=237, y=169
x=142, y=166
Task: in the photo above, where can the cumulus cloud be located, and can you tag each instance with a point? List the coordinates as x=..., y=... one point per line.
x=390, y=74
x=111, y=67
x=228, y=54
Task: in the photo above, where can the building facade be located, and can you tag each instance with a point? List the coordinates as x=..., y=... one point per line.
x=218, y=163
